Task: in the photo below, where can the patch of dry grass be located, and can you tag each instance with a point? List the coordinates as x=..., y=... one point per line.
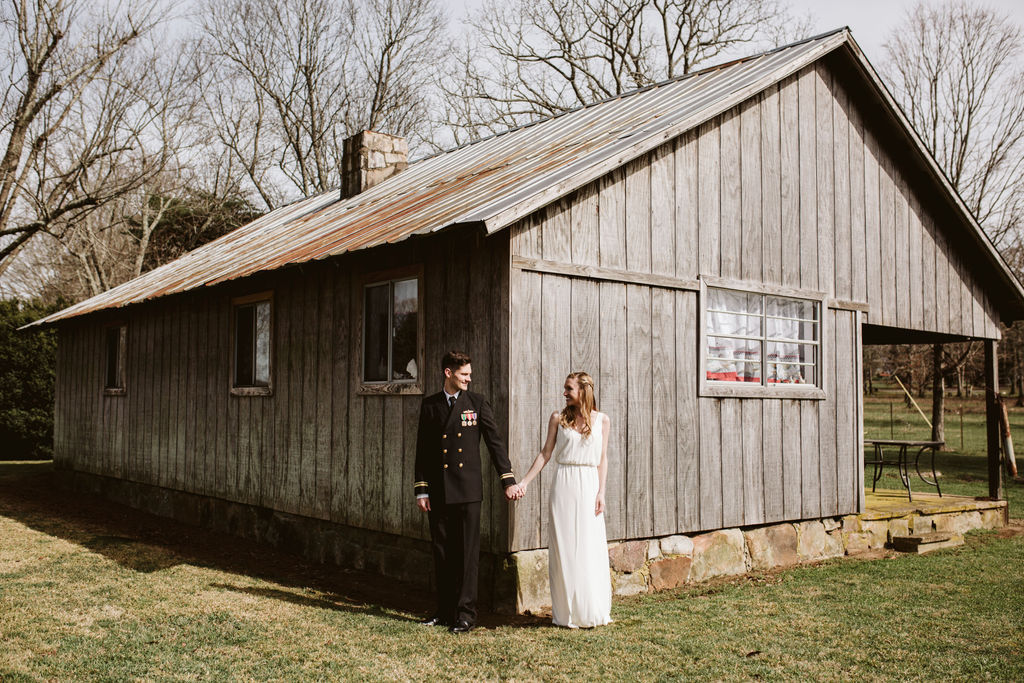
x=89, y=590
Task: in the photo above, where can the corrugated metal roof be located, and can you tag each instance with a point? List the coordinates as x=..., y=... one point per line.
x=482, y=182
x=492, y=182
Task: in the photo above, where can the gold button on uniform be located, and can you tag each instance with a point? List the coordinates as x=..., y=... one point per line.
x=445, y=436
x=444, y=450
x=460, y=464
x=460, y=450
x=446, y=465
x=459, y=434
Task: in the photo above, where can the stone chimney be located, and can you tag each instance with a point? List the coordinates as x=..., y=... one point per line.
x=369, y=158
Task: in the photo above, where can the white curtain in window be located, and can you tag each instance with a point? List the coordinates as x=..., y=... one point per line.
x=736, y=357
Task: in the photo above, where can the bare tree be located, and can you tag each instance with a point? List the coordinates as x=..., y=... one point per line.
x=56, y=149
x=290, y=79
x=532, y=58
x=956, y=70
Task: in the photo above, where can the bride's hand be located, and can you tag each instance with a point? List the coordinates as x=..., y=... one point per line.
x=599, y=504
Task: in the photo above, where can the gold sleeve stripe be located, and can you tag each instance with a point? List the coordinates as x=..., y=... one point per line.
x=421, y=483
x=508, y=475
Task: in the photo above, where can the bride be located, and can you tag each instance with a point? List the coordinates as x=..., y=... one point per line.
x=581, y=592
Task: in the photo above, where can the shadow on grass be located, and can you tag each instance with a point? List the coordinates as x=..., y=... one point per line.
x=146, y=543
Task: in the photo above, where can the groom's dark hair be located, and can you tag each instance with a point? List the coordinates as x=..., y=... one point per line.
x=453, y=360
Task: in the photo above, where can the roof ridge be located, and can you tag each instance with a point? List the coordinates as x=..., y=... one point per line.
x=637, y=91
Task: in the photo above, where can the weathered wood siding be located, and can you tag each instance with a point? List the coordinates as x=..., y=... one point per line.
x=793, y=188
x=316, y=447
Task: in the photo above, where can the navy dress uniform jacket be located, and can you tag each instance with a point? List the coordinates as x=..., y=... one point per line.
x=448, y=449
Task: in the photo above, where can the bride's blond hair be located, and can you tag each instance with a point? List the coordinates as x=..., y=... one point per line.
x=587, y=405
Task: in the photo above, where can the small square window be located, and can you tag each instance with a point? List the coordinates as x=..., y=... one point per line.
x=114, y=344
x=252, y=320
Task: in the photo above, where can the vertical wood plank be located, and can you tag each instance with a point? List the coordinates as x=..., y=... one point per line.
x=916, y=280
x=208, y=421
x=827, y=462
x=752, y=226
x=843, y=281
x=792, y=182
x=613, y=390
x=372, y=462
x=556, y=243
x=663, y=423
x=731, y=232
x=709, y=213
x=810, y=454
x=772, y=187
x=612, y=222
x=687, y=423
x=585, y=328
x=887, y=242
x=872, y=228
x=858, y=460
x=307, y=407
x=526, y=432
x=341, y=358
x=901, y=251
x=639, y=509
x=393, y=464
x=807, y=125
x=183, y=316
x=731, y=462
x=858, y=225
x=753, y=461
x=846, y=436
x=223, y=342
x=324, y=393
x=772, y=433
x=284, y=374
x=711, y=503
x=928, y=284
x=554, y=354
x=638, y=215
x=663, y=210
x=586, y=246
x=687, y=188
x=826, y=190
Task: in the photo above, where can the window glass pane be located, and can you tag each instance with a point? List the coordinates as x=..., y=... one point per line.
x=750, y=352
x=244, y=328
x=261, y=373
x=375, y=342
x=113, y=379
x=403, y=344
x=721, y=362
x=791, y=363
x=732, y=312
x=792, y=319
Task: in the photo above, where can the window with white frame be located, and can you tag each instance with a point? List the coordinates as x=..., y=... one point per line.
x=391, y=330
x=762, y=340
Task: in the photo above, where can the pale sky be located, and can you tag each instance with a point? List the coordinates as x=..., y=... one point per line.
x=869, y=20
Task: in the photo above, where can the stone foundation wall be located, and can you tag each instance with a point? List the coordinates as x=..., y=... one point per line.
x=669, y=562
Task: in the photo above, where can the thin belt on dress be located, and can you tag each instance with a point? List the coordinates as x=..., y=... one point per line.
x=575, y=464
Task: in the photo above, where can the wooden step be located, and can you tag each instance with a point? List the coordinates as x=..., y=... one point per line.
x=924, y=543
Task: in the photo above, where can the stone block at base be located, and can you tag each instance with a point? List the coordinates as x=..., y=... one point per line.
x=719, y=553
x=533, y=591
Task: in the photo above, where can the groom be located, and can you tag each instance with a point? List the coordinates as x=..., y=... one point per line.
x=449, y=487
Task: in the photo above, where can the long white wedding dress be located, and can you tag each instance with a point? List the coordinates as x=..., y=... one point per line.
x=581, y=590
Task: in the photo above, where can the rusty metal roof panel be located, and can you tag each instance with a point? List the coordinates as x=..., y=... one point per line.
x=493, y=181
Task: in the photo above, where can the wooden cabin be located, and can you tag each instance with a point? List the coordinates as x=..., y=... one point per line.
x=715, y=250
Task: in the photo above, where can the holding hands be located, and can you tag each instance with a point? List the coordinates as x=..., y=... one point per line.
x=515, y=492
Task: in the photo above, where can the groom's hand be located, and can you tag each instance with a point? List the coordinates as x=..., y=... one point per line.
x=514, y=492
x=423, y=504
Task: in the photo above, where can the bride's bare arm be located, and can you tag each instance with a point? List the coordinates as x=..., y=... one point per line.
x=545, y=453
x=602, y=469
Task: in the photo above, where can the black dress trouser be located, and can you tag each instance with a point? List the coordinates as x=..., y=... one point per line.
x=455, y=537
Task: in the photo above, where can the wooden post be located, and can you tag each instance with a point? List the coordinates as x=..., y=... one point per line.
x=995, y=472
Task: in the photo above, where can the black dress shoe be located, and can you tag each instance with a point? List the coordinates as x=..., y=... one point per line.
x=461, y=626
x=434, y=621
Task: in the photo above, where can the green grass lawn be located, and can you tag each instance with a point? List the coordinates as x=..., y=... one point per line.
x=90, y=590
x=964, y=469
